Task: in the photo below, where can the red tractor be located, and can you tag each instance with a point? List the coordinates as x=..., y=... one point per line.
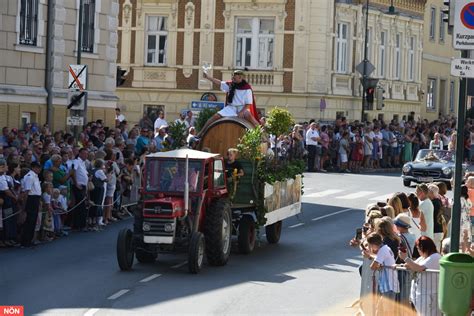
x=184, y=208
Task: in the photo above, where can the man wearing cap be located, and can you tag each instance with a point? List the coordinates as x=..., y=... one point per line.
x=182, y=119
x=31, y=187
x=402, y=222
x=239, y=99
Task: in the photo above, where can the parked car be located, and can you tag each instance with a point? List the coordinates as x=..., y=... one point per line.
x=430, y=165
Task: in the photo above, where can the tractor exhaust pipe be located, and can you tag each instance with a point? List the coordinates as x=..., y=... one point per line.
x=186, y=189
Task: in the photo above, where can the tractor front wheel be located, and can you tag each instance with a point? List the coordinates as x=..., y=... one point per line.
x=196, y=252
x=125, y=249
x=247, y=235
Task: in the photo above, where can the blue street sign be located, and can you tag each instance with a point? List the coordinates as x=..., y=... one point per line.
x=200, y=105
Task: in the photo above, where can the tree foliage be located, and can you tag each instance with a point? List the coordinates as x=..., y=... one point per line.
x=203, y=117
x=279, y=121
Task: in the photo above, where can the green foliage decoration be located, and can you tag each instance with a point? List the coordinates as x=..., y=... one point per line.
x=177, y=132
x=250, y=144
x=203, y=117
x=279, y=121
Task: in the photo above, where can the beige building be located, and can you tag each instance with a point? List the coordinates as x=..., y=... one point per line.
x=298, y=52
x=440, y=90
x=23, y=59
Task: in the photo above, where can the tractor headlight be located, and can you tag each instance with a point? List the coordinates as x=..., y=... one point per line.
x=406, y=168
x=146, y=227
x=169, y=227
x=447, y=171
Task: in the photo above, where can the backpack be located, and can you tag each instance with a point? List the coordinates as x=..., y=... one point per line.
x=98, y=183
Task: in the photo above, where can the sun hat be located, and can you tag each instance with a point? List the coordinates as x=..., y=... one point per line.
x=402, y=220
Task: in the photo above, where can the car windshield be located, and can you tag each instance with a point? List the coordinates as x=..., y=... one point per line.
x=168, y=175
x=435, y=155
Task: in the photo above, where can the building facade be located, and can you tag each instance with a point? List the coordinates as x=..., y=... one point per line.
x=299, y=54
x=440, y=90
x=23, y=59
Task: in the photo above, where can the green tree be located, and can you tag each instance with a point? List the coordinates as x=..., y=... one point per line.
x=279, y=121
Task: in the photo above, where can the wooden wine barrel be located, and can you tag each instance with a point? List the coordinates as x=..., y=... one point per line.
x=223, y=134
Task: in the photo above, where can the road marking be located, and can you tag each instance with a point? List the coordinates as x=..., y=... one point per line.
x=332, y=214
x=296, y=225
x=382, y=198
x=323, y=193
x=179, y=265
x=151, y=277
x=91, y=312
x=355, y=195
x=118, y=294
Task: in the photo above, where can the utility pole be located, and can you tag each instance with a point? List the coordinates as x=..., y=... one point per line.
x=79, y=51
x=364, y=75
x=456, y=212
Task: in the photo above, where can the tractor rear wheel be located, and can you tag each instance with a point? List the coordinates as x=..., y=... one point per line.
x=196, y=252
x=247, y=235
x=145, y=254
x=218, y=232
x=125, y=249
x=273, y=232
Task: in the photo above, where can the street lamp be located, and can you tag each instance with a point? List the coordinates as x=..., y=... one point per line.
x=391, y=8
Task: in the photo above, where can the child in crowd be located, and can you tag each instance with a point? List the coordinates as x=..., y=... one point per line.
x=47, y=227
x=58, y=209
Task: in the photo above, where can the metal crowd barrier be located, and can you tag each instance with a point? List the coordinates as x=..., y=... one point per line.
x=417, y=292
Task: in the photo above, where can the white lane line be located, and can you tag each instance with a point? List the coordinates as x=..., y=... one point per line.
x=151, y=277
x=332, y=214
x=118, y=294
x=355, y=195
x=179, y=265
x=296, y=225
x=91, y=312
x=382, y=198
x=323, y=193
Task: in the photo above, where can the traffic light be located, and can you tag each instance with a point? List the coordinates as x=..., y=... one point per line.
x=120, y=79
x=76, y=100
x=448, y=12
x=369, y=96
x=380, y=98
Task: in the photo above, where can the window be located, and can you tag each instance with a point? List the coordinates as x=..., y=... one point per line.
x=28, y=22
x=383, y=43
x=88, y=25
x=157, y=38
x=431, y=94
x=369, y=40
x=254, y=43
x=341, y=47
x=218, y=174
x=411, y=59
x=442, y=27
x=432, y=23
x=398, y=60
x=451, y=96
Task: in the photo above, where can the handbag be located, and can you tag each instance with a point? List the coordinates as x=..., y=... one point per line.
x=90, y=186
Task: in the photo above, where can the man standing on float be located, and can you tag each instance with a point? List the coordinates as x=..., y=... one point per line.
x=239, y=99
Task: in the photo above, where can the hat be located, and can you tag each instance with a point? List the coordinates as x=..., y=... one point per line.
x=238, y=72
x=163, y=127
x=402, y=220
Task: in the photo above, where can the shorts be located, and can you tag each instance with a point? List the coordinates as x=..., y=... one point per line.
x=230, y=111
x=343, y=158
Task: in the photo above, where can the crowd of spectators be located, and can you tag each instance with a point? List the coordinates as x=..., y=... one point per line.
x=410, y=230
x=348, y=147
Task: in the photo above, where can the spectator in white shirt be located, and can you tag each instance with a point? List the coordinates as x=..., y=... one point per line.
x=119, y=117
x=79, y=188
x=312, y=138
x=426, y=207
x=160, y=121
x=32, y=189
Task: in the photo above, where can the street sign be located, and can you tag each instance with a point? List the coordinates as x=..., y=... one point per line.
x=200, y=105
x=76, y=100
x=462, y=67
x=369, y=70
x=77, y=77
x=75, y=121
x=463, y=35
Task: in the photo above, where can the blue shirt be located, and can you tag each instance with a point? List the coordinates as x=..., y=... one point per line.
x=142, y=142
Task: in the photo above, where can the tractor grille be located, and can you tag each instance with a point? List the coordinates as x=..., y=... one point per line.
x=427, y=173
x=157, y=227
x=153, y=209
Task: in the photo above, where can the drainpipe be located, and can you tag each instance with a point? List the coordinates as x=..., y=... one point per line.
x=49, y=63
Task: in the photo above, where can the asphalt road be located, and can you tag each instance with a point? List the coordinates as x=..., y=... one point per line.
x=311, y=271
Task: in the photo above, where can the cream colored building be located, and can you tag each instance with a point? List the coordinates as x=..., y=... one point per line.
x=440, y=90
x=23, y=47
x=298, y=52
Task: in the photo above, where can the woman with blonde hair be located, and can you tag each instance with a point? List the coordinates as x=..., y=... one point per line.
x=384, y=227
x=396, y=204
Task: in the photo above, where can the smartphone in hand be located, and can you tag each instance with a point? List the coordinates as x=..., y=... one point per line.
x=358, y=234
